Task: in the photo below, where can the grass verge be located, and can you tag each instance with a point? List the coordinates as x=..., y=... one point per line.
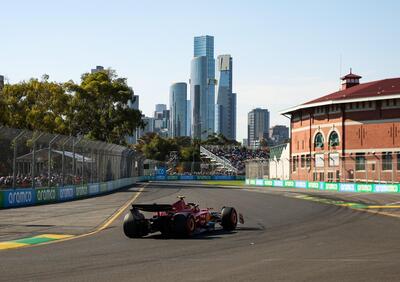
x=225, y=182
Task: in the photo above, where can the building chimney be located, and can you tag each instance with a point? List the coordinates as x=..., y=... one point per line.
x=350, y=80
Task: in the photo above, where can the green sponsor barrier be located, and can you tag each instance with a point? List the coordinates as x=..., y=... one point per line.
x=328, y=186
x=313, y=185
x=103, y=187
x=1, y=199
x=81, y=191
x=268, y=182
x=332, y=186
x=288, y=183
x=386, y=188
x=173, y=177
x=46, y=195
x=365, y=188
x=204, y=177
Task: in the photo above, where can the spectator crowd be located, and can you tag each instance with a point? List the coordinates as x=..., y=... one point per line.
x=238, y=155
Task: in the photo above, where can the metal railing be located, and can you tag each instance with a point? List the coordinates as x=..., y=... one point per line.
x=222, y=161
x=38, y=159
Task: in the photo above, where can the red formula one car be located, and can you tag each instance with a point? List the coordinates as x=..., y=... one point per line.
x=180, y=219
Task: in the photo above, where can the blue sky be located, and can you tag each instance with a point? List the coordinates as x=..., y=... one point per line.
x=284, y=52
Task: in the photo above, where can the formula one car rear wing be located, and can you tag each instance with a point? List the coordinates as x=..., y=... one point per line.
x=153, y=207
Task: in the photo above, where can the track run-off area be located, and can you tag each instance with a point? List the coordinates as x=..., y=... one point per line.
x=286, y=236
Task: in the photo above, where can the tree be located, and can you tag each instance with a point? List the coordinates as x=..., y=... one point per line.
x=219, y=139
x=99, y=108
x=35, y=105
x=159, y=148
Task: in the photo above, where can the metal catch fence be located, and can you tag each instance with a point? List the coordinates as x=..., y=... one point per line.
x=38, y=159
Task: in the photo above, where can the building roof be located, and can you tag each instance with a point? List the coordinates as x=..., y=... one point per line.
x=350, y=75
x=375, y=90
x=275, y=152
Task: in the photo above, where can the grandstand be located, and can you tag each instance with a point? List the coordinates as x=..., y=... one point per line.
x=231, y=159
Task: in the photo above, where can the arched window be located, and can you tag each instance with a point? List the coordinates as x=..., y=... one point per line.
x=333, y=139
x=319, y=141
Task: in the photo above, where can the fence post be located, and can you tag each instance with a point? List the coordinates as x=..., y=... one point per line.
x=83, y=168
x=91, y=166
x=15, y=144
x=33, y=165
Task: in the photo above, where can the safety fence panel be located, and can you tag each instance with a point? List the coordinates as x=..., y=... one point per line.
x=326, y=186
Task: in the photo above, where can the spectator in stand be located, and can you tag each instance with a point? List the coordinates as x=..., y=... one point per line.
x=238, y=155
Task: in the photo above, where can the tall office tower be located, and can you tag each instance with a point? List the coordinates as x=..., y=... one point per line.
x=226, y=100
x=133, y=104
x=204, y=46
x=160, y=108
x=258, y=126
x=97, y=69
x=178, y=109
x=1, y=82
x=188, y=118
x=279, y=134
x=200, y=99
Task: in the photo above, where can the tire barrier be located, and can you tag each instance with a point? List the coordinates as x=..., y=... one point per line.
x=327, y=186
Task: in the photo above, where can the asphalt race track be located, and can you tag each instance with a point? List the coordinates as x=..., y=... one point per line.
x=283, y=239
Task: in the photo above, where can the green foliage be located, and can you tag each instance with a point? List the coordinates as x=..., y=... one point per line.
x=96, y=108
x=35, y=105
x=158, y=148
x=219, y=139
x=99, y=108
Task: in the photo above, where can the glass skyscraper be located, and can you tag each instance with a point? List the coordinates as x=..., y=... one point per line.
x=226, y=100
x=178, y=109
x=199, y=98
x=204, y=47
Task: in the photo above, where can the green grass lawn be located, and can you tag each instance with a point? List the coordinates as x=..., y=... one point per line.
x=225, y=182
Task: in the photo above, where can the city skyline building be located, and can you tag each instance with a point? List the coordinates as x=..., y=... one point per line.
x=1, y=82
x=258, y=126
x=97, y=69
x=133, y=104
x=279, y=134
x=204, y=46
x=188, y=118
x=178, y=109
x=159, y=109
x=199, y=97
x=225, y=115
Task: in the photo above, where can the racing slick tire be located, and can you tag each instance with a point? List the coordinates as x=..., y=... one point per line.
x=135, y=227
x=184, y=226
x=229, y=218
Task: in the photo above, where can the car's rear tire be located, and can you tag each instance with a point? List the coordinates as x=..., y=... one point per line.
x=229, y=218
x=184, y=226
x=135, y=227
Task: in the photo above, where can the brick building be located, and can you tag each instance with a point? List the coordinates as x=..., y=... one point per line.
x=349, y=135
